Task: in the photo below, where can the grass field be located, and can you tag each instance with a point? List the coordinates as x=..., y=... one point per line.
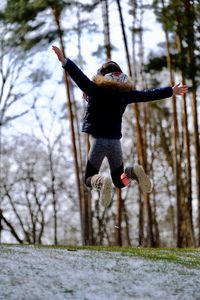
x=98, y=273
x=189, y=257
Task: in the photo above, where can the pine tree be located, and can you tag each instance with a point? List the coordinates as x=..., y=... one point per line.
x=173, y=16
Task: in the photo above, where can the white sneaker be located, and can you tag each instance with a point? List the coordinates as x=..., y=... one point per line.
x=104, y=185
x=143, y=180
x=137, y=173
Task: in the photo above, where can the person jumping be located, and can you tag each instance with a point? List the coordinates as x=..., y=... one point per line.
x=108, y=94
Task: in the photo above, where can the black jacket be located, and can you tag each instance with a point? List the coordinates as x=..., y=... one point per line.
x=107, y=102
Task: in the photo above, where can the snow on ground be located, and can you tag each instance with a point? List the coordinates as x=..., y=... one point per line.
x=28, y=273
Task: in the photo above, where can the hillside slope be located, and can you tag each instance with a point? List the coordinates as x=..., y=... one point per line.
x=32, y=273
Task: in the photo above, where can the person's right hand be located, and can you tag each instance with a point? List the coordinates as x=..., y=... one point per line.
x=59, y=54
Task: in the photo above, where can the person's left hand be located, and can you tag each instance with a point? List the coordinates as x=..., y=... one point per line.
x=179, y=89
x=59, y=54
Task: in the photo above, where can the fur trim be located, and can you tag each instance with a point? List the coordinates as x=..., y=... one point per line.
x=111, y=84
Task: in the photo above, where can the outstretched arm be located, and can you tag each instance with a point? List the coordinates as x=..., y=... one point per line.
x=156, y=94
x=83, y=82
x=135, y=96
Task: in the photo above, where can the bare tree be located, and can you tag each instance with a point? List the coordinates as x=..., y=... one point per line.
x=13, y=75
x=34, y=188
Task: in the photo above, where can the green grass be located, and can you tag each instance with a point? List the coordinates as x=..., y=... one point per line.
x=189, y=257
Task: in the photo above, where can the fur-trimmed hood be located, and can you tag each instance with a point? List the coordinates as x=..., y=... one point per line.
x=111, y=84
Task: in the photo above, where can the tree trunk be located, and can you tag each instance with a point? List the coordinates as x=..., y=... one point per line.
x=56, y=14
x=141, y=223
x=176, y=155
x=140, y=142
x=186, y=205
x=1, y=180
x=188, y=189
x=107, y=43
x=134, y=28
x=53, y=193
x=119, y=217
x=197, y=152
x=141, y=160
x=124, y=37
x=87, y=213
x=125, y=215
x=190, y=13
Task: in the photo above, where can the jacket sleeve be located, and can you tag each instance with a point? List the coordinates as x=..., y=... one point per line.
x=135, y=96
x=83, y=82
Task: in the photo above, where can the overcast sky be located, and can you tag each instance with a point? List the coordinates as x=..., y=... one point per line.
x=153, y=35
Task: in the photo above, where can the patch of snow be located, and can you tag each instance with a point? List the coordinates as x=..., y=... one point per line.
x=29, y=273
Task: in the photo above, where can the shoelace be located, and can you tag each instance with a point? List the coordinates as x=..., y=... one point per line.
x=98, y=183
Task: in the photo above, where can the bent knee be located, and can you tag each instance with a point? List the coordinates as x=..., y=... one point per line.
x=119, y=184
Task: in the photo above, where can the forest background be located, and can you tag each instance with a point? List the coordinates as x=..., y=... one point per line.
x=42, y=151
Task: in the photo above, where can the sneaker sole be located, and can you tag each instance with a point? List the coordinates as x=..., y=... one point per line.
x=106, y=192
x=143, y=180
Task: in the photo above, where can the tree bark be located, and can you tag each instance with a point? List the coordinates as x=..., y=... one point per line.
x=181, y=233
x=107, y=43
x=190, y=13
x=140, y=144
x=119, y=217
x=124, y=37
x=56, y=14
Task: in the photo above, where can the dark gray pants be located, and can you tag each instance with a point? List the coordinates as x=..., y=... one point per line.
x=111, y=149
